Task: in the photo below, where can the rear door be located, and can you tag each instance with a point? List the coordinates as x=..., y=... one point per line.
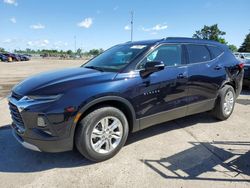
x=205, y=75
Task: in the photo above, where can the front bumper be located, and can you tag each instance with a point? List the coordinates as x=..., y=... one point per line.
x=54, y=137
x=44, y=145
x=25, y=144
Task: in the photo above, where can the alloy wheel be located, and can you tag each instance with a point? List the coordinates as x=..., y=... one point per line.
x=106, y=134
x=228, y=103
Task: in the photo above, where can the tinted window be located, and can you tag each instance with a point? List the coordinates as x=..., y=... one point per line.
x=198, y=53
x=215, y=51
x=170, y=55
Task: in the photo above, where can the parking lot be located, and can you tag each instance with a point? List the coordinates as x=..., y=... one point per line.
x=196, y=151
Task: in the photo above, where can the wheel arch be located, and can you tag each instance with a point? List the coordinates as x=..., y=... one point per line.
x=121, y=103
x=231, y=83
x=226, y=82
x=235, y=82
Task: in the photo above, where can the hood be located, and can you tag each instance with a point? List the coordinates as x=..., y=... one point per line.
x=56, y=82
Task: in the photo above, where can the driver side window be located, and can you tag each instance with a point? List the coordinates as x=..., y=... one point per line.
x=170, y=55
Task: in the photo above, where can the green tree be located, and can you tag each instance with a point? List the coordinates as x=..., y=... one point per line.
x=94, y=52
x=79, y=51
x=245, y=47
x=2, y=49
x=69, y=52
x=210, y=33
x=232, y=47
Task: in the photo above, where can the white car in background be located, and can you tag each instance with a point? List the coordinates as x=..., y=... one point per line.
x=242, y=55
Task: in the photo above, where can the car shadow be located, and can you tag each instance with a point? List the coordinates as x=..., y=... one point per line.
x=227, y=157
x=243, y=101
x=15, y=158
x=245, y=91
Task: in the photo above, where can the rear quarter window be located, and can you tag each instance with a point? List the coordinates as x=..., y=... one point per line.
x=215, y=51
x=198, y=53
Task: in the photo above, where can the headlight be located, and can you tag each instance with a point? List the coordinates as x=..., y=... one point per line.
x=42, y=97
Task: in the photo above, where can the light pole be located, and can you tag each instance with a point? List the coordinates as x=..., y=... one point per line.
x=75, y=43
x=132, y=25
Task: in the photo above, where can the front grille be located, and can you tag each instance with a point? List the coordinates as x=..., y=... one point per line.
x=16, y=96
x=16, y=117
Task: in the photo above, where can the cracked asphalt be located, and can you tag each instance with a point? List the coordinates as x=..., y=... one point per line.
x=196, y=151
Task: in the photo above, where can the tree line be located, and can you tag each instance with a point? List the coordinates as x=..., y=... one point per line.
x=57, y=53
x=207, y=32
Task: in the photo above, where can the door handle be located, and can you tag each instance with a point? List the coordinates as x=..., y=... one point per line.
x=181, y=76
x=218, y=67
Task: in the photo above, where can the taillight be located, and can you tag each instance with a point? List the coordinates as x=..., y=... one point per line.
x=241, y=66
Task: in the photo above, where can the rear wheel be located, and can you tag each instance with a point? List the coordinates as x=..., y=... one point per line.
x=102, y=133
x=225, y=103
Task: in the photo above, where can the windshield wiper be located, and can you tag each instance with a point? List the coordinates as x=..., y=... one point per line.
x=95, y=68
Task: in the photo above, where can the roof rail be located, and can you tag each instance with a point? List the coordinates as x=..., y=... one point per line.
x=179, y=38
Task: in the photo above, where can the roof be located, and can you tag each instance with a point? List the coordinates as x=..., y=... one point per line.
x=177, y=40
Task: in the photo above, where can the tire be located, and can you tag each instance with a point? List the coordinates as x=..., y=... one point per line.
x=223, y=108
x=96, y=128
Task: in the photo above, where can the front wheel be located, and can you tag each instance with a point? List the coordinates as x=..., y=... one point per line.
x=102, y=133
x=225, y=103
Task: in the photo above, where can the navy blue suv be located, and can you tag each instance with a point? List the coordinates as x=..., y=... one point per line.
x=127, y=88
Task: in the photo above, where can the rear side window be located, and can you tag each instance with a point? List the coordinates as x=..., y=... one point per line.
x=198, y=53
x=215, y=51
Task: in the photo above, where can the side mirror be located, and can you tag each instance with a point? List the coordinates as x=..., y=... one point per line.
x=151, y=67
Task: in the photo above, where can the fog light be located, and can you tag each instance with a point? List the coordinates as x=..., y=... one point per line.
x=41, y=122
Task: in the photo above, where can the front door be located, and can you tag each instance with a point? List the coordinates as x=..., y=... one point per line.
x=162, y=95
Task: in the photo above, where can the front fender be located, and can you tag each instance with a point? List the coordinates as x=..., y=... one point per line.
x=91, y=102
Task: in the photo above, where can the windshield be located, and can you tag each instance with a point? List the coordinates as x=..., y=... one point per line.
x=116, y=58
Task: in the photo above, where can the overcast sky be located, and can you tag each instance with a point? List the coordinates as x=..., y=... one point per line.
x=52, y=24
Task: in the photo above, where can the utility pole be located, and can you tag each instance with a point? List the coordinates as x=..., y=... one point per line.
x=132, y=24
x=75, y=43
